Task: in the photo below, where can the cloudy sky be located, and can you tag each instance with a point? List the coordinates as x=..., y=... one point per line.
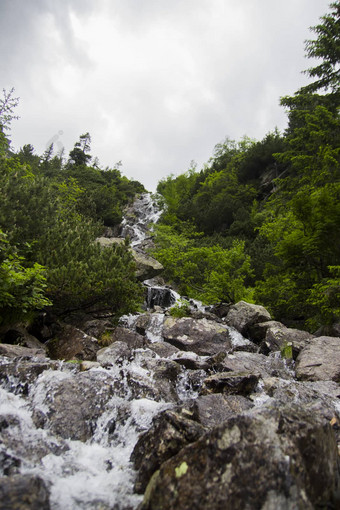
x=157, y=83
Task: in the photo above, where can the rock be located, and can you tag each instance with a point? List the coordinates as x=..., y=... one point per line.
x=130, y=338
x=258, y=331
x=159, y=296
x=329, y=330
x=23, y=492
x=87, y=365
x=320, y=360
x=65, y=404
x=221, y=310
x=277, y=336
x=230, y=383
x=163, y=349
x=164, y=375
x=113, y=354
x=18, y=374
x=200, y=336
x=16, y=351
x=243, y=316
x=18, y=335
x=169, y=433
x=147, y=267
x=254, y=460
x=213, y=409
x=266, y=366
x=72, y=343
x=97, y=327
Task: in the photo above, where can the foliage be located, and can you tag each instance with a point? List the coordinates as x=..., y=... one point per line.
x=180, y=309
x=324, y=297
x=22, y=288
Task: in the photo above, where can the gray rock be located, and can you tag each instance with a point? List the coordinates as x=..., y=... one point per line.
x=258, y=331
x=113, y=354
x=23, y=492
x=163, y=349
x=254, y=460
x=200, y=336
x=17, y=351
x=18, y=374
x=212, y=410
x=130, y=338
x=266, y=366
x=277, y=336
x=72, y=343
x=320, y=360
x=170, y=432
x=230, y=383
x=243, y=316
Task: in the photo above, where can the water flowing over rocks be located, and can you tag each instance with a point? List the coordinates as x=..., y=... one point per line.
x=159, y=412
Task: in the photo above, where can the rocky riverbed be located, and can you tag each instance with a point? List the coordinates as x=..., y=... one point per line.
x=222, y=408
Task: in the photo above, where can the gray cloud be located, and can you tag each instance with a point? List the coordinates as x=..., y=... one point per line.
x=156, y=83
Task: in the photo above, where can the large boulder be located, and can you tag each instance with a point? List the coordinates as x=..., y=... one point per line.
x=72, y=343
x=278, y=336
x=320, y=360
x=170, y=432
x=230, y=383
x=271, y=459
x=23, y=492
x=197, y=335
x=243, y=316
x=147, y=267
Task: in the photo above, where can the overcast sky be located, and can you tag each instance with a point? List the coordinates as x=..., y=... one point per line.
x=157, y=83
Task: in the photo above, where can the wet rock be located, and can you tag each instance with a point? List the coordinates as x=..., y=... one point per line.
x=163, y=349
x=320, y=360
x=23, y=492
x=17, y=375
x=200, y=336
x=277, y=336
x=97, y=327
x=221, y=310
x=213, y=409
x=230, y=383
x=169, y=433
x=16, y=351
x=164, y=374
x=243, y=316
x=159, y=296
x=130, y=338
x=18, y=335
x=258, y=331
x=113, y=354
x=255, y=460
x=142, y=323
x=9, y=465
x=266, y=366
x=72, y=343
x=147, y=267
x=69, y=405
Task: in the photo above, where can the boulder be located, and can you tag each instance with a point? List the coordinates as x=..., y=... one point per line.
x=320, y=360
x=278, y=336
x=72, y=343
x=200, y=336
x=230, y=383
x=243, y=316
x=17, y=351
x=269, y=459
x=132, y=339
x=258, y=331
x=18, y=335
x=18, y=374
x=256, y=363
x=170, y=432
x=65, y=404
x=163, y=349
x=113, y=354
x=23, y=492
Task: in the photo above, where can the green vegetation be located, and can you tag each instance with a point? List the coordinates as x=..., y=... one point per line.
x=50, y=215
x=261, y=221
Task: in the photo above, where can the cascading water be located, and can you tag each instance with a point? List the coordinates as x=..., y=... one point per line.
x=76, y=430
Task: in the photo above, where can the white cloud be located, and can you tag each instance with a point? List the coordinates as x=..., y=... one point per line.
x=156, y=83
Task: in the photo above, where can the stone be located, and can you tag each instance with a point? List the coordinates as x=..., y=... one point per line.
x=18, y=335
x=278, y=336
x=23, y=492
x=230, y=383
x=113, y=354
x=259, y=459
x=200, y=336
x=17, y=351
x=132, y=339
x=169, y=433
x=18, y=374
x=213, y=409
x=147, y=267
x=72, y=343
x=266, y=366
x=258, y=331
x=243, y=316
x=97, y=327
x=320, y=360
x=163, y=349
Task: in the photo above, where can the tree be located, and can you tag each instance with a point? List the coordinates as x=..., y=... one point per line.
x=78, y=155
x=7, y=105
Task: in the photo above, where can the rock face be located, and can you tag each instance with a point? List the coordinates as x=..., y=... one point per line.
x=259, y=461
x=200, y=336
x=72, y=343
x=320, y=360
x=243, y=316
x=171, y=414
